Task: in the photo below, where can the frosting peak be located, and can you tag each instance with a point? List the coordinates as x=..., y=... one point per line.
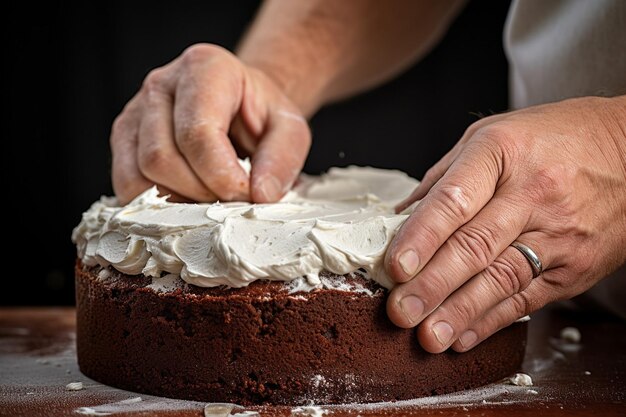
x=340, y=222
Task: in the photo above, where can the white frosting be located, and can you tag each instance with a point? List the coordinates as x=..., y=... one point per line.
x=340, y=222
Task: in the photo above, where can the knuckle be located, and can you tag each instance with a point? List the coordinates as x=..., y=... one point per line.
x=522, y=305
x=432, y=174
x=502, y=140
x=584, y=262
x=154, y=81
x=192, y=137
x=152, y=159
x=200, y=52
x=552, y=184
x=499, y=133
x=505, y=278
x=119, y=126
x=453, y=202
x=426, y=235
x=464, y=312
x=476, y=244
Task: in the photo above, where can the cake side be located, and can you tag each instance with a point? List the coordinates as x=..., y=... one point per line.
x=262, y=345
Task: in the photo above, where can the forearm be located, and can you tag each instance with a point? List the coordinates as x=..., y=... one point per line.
x=323, y=50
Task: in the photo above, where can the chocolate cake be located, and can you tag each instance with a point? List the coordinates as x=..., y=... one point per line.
x=279, y=303
x=263, y=344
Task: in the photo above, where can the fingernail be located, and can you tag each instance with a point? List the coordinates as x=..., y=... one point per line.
x=468, y=338
x=409, y=262
x=412, y=307
x=443, y=332
x=270, y=188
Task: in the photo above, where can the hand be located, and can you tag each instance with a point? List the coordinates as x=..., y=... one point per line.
x=176, y=132
x=552, y=177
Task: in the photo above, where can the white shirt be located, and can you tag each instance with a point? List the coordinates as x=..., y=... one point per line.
x=559, y=49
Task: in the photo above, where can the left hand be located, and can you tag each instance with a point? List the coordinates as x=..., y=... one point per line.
x=552, y=177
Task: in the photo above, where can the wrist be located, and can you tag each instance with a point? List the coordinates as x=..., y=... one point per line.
x=302, y=89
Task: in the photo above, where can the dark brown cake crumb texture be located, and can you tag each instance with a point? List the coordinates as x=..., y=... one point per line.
x=262, y=345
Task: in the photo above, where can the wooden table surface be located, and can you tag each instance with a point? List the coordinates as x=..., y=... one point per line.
x=38, y=360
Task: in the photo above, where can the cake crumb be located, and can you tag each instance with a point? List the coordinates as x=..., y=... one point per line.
x=74, y=386
x=521, y=380
x=570, y=335
x=104, y=274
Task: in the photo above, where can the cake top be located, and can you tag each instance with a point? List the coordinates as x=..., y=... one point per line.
x=340, y=222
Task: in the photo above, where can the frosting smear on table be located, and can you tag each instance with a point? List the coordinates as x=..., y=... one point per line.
x=340, y=222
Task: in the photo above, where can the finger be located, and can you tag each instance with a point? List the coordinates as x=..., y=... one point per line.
x=539, y=292
x=158, y=157
x=248, y=126
x=171, y=195
x=206, y=102
x=509, y=274
x=430, y=178
x=471, y=249
x=280, y=156
x=464, y=190
x=128, y=181
x=243, y=140
x=435, y=173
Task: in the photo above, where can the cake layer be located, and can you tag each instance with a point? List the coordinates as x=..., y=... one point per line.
x=262, y=344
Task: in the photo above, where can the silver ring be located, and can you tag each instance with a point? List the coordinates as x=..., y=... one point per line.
x=533, y=259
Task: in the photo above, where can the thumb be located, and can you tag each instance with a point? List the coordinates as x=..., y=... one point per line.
x=280, y=156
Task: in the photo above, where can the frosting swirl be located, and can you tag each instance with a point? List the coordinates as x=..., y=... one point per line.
x=341, y=221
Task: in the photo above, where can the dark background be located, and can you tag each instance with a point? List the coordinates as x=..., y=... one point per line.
x=70, y=69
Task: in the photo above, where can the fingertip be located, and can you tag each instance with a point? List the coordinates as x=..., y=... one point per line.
x=467, y=341
x=266, y=189
x=404, y=310
x=401, y=263
x=428, y=339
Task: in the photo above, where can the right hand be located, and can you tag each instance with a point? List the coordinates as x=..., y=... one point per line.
x=176, y=132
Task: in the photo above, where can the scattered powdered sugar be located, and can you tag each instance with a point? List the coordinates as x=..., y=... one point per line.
x=108, y=409
x=494, y=394
x=533, y=392
x=139, y=404
x=318, y=380
x=309, y=410
x=166, y=283
x=74, y=386
x=541, y=364
x=522, y=380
